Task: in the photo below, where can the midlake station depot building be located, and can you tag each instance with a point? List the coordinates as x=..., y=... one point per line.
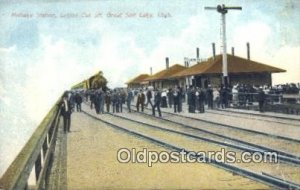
x=240, y=70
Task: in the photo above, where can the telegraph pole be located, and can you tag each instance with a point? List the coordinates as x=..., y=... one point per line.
x=223, y=10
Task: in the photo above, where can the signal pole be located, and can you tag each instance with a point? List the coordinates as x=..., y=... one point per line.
x=223, y=10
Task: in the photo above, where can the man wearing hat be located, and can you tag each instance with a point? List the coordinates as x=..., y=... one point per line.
x=129, y=99
x=107, y=101
x=261, y=99
x=157, y=102
x=66, y=111
x=210, y=97
x=140, y=101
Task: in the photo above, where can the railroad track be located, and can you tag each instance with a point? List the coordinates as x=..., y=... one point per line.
x=285, y=121
x=223, y=140
x=147, y=131
x=260, y=115
x=222, y=125
x=265, y=142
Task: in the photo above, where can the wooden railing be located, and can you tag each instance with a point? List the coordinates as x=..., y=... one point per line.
x=37, y=154
x=273, y=103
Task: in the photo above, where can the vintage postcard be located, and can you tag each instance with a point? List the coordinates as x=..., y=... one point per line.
x=149, y=94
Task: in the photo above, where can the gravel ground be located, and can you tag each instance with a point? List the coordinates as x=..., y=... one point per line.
x=281, y=170
x=92, y=164
x=267, y=141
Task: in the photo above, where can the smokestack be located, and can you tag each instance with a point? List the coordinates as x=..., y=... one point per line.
x=214, y=50
x=186, y=62
x=197, y=53
x=248, y=51
x=232, y=51
x=150, y=70
x=167, y=63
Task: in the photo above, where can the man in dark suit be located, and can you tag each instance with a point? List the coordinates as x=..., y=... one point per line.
x=261, y=99
x=66, y=111
x=191, y=99
x=201, y=100
x=107, y=101
x=129, y=99
x=170, y=97
x=181, y=95
x=114, y=100
x=78, y=101
x=120, y=102
x=149, y=97
x=157, y=101
x=223, y=97
x=92, y=99
x=176, y=99
x=210, y=97
x=140, y=101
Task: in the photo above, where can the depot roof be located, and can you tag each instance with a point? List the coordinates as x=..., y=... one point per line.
x=235, y=64
x=166, y=73
x=138, y=79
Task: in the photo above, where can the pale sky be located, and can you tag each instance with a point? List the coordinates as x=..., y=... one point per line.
x=41, y=57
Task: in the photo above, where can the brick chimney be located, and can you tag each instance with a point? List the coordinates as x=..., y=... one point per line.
x=232, y=51
x=214, y=50
x=197, y=53
x=167, y=63
x=186, y=63
x=248, y=51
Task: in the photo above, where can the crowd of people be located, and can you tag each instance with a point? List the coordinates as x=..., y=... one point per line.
x=113, y=100
x=288, y=88
x=197, y=99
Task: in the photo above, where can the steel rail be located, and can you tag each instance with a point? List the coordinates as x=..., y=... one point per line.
x=269, y=180
x=226, y=125
x=259, y=119
x=283, y=156
x=260, y=115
